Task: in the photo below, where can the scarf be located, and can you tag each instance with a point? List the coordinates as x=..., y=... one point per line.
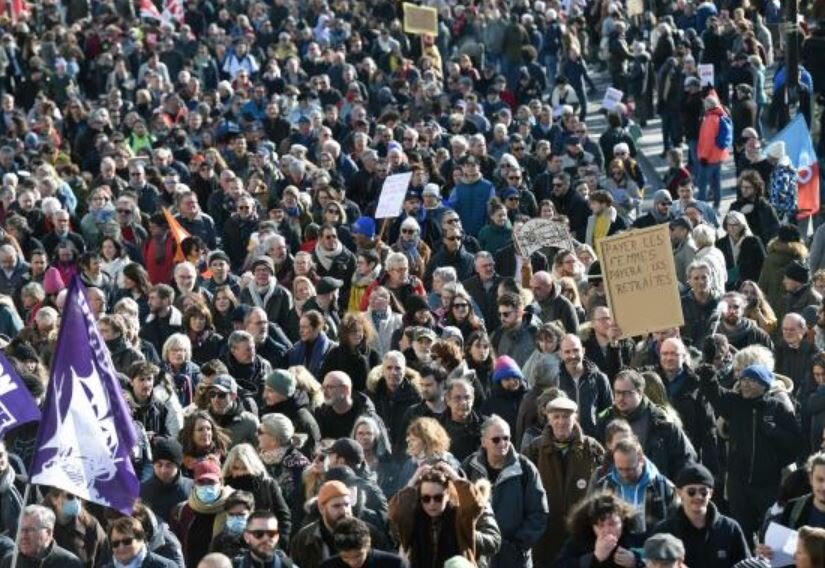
x=134, y=562
x=326, y=257
x=216, y=508
x=273, y=457
x=410, y=249
x=259, y=301
x=367, y=279
x=11, y=502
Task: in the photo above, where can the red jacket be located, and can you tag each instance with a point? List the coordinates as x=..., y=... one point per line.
x=159, y=272
x=707, y=148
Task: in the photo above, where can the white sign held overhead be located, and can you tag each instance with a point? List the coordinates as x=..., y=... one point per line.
x=706, y=74
x=392, y=195
x=612, y=98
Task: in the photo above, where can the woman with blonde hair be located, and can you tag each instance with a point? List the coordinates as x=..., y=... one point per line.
x=427, y=443
x=383, y=320
x=705, y=238
x=303, y=288
x=758, y=308
x=176, y=357
x=244, y=470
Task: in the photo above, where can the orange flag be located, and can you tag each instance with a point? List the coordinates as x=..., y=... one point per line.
x=178, y=233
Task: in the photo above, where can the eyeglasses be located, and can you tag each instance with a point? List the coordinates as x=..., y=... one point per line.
x=499, y=439
x=218, y=394
x=702, y=491
x=122, y=542
x=244, y=208
x=461, y=306
x=621, y=394
x=437, y=498
x=259, y=534
x=514, y=178
x=506, y=314
x=331, y=238
x=408, y=231
x=513, y=198
x=124, y=211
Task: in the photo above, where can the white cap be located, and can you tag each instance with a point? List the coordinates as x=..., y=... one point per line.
x=431, y=189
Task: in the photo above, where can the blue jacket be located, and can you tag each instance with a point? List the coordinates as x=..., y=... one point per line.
x=470, y=202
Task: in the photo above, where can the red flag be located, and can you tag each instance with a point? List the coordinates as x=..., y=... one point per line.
x=178, y=233
x=173, y=11
x=149, y=10
x=16, y=8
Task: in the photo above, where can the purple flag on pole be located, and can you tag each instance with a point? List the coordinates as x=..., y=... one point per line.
x=86, y=433
x=17, y=405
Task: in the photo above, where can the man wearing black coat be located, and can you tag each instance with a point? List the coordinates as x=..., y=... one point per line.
x=571, y=204
x=740, y=330
x=452, y=253
x=582, y=381
x=261, y=537
x=353, y=541
x=711, y=539
x=265, y=292
x=129, y=547
x=509, y=262
x=483, y=288
x=37, y=547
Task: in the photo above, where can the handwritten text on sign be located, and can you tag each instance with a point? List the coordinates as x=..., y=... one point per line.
x=640, y=279
x=539, y=233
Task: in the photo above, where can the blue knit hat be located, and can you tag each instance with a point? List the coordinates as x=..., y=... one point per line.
x=506, y=368
x=364, y=226
x=760, y=374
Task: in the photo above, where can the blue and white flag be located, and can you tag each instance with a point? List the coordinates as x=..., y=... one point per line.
x=86, y=432
x=17, y=405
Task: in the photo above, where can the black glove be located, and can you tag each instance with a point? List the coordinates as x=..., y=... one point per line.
x=706, y=372
x=709, y=350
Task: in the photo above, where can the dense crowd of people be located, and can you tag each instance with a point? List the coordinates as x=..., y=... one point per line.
x=312, y=386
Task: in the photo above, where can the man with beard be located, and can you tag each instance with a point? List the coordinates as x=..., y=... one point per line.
x=314, y=543
x=432, y=405
x=581, y=380
x=264, y=291
x=261, y=538
x=740, y=330
x=341, y=407
x=228, y=412
x=164, y=318
x=271, y=342
x=659, y=213
x=515, y=336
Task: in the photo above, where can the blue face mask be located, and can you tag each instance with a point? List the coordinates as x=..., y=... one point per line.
x=207, y=493
x=71, y=508
x=291, y=211
x=235, y=524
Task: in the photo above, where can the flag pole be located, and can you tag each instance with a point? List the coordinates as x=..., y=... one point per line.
x=19, y=522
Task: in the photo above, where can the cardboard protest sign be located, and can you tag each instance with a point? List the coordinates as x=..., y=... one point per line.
x=392, y=195
x=640, y=280
x=706, y=74
x=420, y=19
x=635, y=8
x=536, y=234
x=612, y=97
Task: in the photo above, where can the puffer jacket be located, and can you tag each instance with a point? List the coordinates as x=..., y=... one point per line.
x=565, y=477
x=764, y=435
x=519, y=504
x=707, y=148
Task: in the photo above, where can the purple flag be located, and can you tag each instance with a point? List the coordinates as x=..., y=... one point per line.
x=17, y=405
x=86, y=433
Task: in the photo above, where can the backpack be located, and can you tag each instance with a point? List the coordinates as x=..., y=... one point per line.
x=724, y=138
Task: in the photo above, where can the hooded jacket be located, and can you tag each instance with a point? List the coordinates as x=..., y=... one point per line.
x=707, y=148
x=519, y=504
x=652, y=495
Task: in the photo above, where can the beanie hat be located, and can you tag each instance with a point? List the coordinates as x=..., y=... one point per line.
x=167, y=449
x=364, y=226
x=776, y=150
x=694, y=474
x=282, y=382
x=331, y=490
x=263, y=261
x=789, y=234
x=797, y=272
x=52, y=281
x=506, y=368
x=415, y=303
x=760, y=374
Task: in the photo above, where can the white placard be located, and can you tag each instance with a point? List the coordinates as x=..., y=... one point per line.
x=706, y=74
x=392, y=195
x=782, y=541
x=612, y=98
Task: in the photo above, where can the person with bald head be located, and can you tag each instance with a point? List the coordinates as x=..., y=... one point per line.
x=583, y=382
x=342, y=407
x=554, y=306
x=682, y=384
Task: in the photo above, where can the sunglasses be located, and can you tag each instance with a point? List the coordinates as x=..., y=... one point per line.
x=437, y=498
x=499, y=439
x=461, y=306
x=408, y=231
x=259, y=534
x=218, y=394
x=124, y=211
x=702, y=491
x=122, y=542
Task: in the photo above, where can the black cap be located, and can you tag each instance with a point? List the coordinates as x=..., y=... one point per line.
x=349, y=449
x=682, y=222
x=694, y=474
x=328, y=284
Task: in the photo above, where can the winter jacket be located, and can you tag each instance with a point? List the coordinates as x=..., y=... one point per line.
x=720, y=544
x=309, y=549
x=277, y=305
x=745, y=333
x=683, y=255
x=151, y=560
x=485, y=297
x=749, y=264
x=334, y=425
x=493, y=237
x=795, y=302
x=652, y=495
x=391, y=407
x=573, y=205
x=240, y=424
x=356, y=363
x=796, y=364
x=763, y=434
x=123, y=355
x=663, y=442
x=518, y=343
x=235, y=236
x=700, y=319
x=315, y=361
x=162, y=497
x=558, y=308
x=780, y=255
x=612, y=359
x=55, y=557
x=468, y=515
x=519, y=504
x=617, y=224
x=816, y=260
x=707, y=149
x=297, y=409
x=761, y=218
x=461, y=260
x=592, y=394
x=279, y=560
x=565, y=477
x=470, y=201
x=156, y=330
x=504, y=403
x=813, y=418
x=782, y=189
x=268, y=497
x=465, y=437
